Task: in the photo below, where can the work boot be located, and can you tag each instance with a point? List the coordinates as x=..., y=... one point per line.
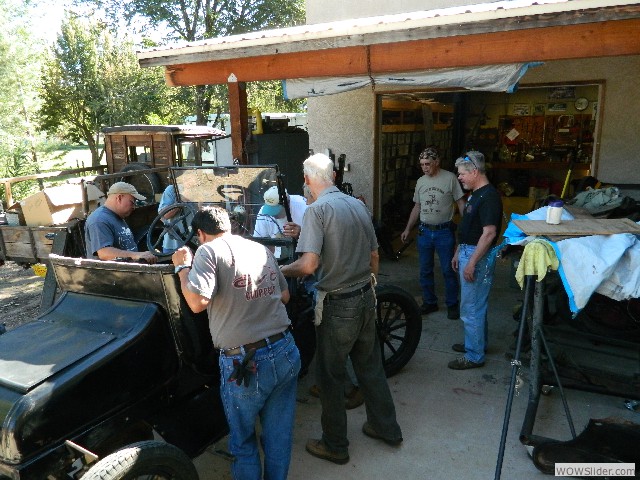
x=368, y=430
x=463, y=363
x=319, y=449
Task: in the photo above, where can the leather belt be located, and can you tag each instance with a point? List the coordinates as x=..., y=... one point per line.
x=353, y=293
x=255, y=345
x=440, y=226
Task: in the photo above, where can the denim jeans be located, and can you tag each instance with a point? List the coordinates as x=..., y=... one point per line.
x=271, y=395
x=443, y=242
x=348, y=328
x=474, y=301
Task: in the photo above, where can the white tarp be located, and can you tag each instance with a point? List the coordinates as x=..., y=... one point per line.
x=606, y=264
x=488, y=78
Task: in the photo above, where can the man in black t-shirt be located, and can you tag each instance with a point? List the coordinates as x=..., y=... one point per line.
x=474, y=259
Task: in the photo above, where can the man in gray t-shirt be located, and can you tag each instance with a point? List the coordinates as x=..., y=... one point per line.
x=338, y=245
x=437, y=194
x=240, y=285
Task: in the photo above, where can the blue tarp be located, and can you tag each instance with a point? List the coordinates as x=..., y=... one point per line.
x=606, y=264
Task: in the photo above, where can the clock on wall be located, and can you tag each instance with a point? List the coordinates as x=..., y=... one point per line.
x=581, y=104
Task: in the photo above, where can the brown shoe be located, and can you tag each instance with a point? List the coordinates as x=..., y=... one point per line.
x=368, y=430
x=353, y=399
x=463, y=363
x=318, y=449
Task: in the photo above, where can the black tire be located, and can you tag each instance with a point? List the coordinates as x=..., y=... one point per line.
x=399, y=327
x=148, y=459
x=147, y=184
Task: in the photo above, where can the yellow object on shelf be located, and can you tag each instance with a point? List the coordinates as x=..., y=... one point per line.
x=39, y=269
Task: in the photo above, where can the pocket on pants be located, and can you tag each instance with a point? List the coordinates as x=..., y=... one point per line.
x=232, y=388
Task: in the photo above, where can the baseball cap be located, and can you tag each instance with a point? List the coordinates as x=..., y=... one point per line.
x=272, y=205
x=124, y=187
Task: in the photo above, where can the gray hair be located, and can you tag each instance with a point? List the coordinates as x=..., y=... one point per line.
x=472, y=160
x=319, y=167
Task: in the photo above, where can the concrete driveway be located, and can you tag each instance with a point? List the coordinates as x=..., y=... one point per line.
x=451, y=420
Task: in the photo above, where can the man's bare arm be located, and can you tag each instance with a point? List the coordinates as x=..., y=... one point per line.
x=307, y=264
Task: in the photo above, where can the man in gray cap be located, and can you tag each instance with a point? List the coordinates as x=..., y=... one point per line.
x=107, y=235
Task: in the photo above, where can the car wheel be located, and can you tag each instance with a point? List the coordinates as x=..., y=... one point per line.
x=399, y=327
x=144, y=460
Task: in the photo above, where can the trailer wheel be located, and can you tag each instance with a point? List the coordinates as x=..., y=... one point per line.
x=147, y=184
x=399, y=327
x=144, y=460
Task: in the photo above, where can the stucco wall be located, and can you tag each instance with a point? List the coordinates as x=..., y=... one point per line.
x=345, y=123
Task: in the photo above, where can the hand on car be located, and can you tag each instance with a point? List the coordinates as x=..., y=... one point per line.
x=182, y=256
x=146, y=256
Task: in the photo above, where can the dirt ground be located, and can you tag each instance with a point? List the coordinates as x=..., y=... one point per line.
x=20, y=292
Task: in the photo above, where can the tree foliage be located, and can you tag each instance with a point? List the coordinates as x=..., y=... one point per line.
x=19, y=70
x=90, y=80
x=192, y=20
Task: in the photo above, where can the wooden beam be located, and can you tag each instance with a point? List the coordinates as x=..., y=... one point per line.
x=545, y=44
x=588, y=40
x=238, y=118
x=335, y=62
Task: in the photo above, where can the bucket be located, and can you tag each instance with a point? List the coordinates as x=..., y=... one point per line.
x=13, y=219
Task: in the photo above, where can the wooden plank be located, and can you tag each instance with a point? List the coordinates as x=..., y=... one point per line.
x=579, y=227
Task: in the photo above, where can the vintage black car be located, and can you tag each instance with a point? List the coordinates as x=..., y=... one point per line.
x=118, y=378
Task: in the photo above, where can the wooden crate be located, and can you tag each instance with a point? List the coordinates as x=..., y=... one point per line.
x=27, y=244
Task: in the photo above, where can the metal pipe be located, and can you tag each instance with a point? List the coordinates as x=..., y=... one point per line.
x=515, y=365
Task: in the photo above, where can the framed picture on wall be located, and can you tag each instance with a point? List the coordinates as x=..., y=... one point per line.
x=560, y=93
x=521, y=109
x=557, y=107
x=539, y=108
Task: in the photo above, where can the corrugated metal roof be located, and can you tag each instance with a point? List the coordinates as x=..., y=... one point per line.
x=364, y=31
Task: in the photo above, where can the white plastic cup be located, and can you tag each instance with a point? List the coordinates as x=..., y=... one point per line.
x=554, y=212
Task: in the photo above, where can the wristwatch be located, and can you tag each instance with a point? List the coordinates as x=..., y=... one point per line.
x=181, y=267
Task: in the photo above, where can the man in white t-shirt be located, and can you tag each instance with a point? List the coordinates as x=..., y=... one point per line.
x=271, y=221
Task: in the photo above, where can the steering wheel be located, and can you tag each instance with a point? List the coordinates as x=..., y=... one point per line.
x=178, y=227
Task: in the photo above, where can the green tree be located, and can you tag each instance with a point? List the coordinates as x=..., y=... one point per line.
x=19, y=70
x=91, y=80
x=191, y=20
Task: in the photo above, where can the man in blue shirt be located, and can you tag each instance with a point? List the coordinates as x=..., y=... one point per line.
x=107, y=235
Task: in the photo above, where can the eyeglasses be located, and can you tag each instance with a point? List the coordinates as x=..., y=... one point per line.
x=469, y=159
x=131, y=200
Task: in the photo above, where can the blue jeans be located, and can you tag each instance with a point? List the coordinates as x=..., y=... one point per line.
x=271, y=395
x=348, y=329
x=474, y=301
x=443, y=242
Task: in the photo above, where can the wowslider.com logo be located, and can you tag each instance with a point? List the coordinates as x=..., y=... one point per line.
x=595, y=469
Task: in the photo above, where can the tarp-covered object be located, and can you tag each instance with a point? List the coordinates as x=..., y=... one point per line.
x=606, y=264
x=488, y=78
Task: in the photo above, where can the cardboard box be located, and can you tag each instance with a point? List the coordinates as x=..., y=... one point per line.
x=56, y=205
